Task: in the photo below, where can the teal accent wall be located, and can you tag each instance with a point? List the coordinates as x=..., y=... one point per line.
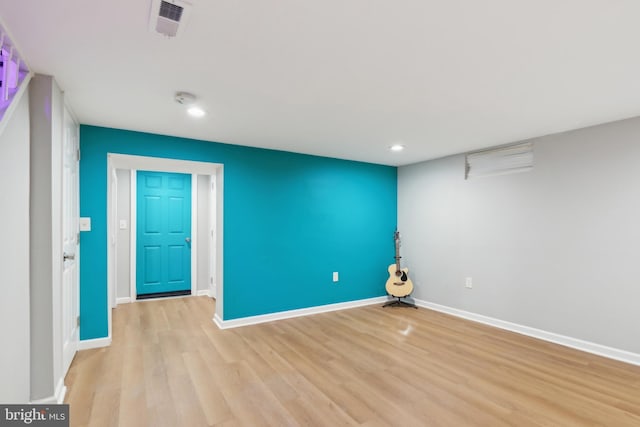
x=290, y=220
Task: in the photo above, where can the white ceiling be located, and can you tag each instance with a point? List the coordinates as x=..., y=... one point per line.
x=343, y=78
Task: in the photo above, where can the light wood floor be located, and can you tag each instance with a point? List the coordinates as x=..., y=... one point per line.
x=169, y=365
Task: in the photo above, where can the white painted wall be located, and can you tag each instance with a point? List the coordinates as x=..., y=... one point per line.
x=123, y=245
x=46, y=124
x=556, y=249
x=14, y=256
x=202, y=239
x=57, y=150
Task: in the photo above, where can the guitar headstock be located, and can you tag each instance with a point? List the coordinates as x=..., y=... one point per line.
x=396, y=240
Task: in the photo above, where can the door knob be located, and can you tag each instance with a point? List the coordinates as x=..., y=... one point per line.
x=187, y=239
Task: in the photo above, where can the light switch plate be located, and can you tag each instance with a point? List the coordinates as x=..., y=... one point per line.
x=85, y=224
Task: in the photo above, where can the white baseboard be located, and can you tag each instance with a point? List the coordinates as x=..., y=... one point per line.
x=219, y=322
x=123, y=300
x=95, y=343
x=204, y=292
x=586, y=346
x=61, y=391
x=253, y=320
x=57, y=398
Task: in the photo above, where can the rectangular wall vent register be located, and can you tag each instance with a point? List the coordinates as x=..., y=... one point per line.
x=499, y=161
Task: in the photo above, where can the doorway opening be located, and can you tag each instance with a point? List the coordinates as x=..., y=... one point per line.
x=163, y=234
x=207, y=191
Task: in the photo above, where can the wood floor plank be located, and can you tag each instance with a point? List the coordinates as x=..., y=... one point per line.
x=132, y=393
x=160, y=408
x=169, y=365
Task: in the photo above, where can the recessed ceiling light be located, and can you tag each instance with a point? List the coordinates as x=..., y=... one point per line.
x=195, y=111
x=396, y=147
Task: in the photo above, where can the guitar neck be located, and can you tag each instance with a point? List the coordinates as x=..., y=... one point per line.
x=397, y=239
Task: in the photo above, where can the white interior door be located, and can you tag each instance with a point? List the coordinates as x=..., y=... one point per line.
x=70, y=230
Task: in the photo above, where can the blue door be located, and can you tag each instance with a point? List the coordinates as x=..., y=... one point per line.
x=163, y=234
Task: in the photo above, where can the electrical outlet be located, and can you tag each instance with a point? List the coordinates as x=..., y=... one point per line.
x=335, y=276
x=468, y=283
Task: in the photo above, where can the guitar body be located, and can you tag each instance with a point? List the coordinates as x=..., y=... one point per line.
x=398, y=285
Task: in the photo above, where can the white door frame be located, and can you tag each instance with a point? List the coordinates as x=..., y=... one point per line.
x=212, y=237
x=134, y=163
x=113, y=237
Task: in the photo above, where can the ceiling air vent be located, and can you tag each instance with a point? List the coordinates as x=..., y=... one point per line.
x=168, y=17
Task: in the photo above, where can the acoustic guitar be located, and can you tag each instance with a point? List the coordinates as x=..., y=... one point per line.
x=398, y=285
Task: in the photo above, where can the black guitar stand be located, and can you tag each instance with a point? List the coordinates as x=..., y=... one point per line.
x=398, y=302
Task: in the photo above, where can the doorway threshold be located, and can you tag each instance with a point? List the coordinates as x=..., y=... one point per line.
x=164, y=294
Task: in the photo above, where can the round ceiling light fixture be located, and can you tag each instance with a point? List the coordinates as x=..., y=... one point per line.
x=185, y=98
x=396, y=148
x=189, y=100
